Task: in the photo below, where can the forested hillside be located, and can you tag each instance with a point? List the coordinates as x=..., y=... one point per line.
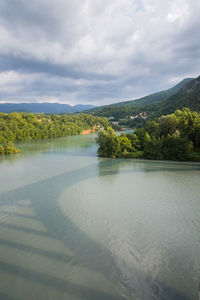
x=136, y=105
x=21, y=126
x=187, y=97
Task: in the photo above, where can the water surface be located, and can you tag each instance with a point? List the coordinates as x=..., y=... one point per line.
x=78, y=227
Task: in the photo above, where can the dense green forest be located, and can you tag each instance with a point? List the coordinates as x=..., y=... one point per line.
x=171, y=137
x=23, y=127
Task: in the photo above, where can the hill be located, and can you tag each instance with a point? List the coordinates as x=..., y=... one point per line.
x=188, y=96
x=150, y=99
x=47, y=108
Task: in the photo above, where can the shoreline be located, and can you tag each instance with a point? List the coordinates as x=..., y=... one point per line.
x=87, y=131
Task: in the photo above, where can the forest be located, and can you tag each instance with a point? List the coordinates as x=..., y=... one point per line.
x=171, y=137
x=16, y=127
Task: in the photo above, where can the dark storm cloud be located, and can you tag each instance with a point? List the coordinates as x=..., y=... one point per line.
x=23, y=65
x=96, y=52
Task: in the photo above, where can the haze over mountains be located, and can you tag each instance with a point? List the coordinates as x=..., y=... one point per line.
x=48, y=108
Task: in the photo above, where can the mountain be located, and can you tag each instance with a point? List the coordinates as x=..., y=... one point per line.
x=153, y=98
x=187, y=96
x=47, y=108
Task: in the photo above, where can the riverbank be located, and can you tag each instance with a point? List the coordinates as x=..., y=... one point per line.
x=174, y=137
x=17, y=127
x=88, y=131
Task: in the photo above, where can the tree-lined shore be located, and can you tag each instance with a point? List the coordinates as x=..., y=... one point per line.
x=171, y=137
x=16, y=127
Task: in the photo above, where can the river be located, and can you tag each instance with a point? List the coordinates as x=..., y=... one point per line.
x=78, y=227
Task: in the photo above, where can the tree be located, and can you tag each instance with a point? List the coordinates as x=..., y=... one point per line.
x=168, y=124
x=1, y=150
x=19, y=127
x=135, y=142
x=109, y=145
x=152, y=147
x=176, y=148
x=125, y=144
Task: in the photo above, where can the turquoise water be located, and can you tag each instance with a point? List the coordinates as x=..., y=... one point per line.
x=75, y=226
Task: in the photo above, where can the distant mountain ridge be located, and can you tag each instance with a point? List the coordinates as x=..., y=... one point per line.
x=48, y=108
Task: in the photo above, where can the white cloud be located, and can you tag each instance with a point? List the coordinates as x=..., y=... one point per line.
x=74, y=47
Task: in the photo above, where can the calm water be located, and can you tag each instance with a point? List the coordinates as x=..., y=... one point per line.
x=76, y=227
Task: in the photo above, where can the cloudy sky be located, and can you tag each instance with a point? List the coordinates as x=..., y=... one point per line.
x=95, y=51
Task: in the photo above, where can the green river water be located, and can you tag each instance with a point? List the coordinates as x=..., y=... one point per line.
x=77, y=227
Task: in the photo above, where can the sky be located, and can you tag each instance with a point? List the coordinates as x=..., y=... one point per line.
x=95, y=51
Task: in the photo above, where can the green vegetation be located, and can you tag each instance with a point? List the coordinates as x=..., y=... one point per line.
x=187, y=94
x=171, y=137
x=24, y=127
x=8, y=149
x=153, y=98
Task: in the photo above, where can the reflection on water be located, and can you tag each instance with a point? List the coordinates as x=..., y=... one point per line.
x=75, y=226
